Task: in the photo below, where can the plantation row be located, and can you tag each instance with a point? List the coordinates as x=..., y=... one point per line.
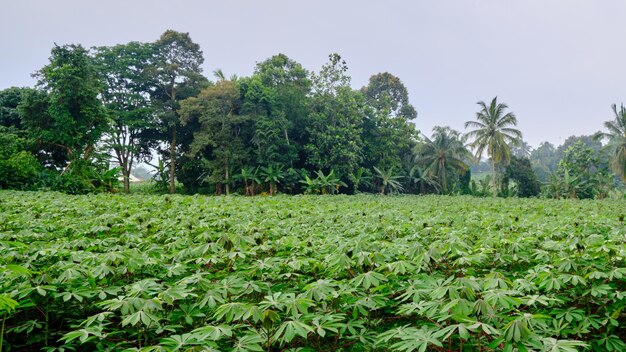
x=310, y=273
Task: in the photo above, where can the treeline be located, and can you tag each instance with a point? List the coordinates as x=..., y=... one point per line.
x=283, y=129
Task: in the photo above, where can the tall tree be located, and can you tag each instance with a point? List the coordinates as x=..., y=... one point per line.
x=386, y=92
x=544, y=160
x=493, y=132
x=520, y=170
x=177, y=75
x=389, y=134
x=291, y=84
x=336, y=121
x=65, y=112
x=588, y=140
x=617, y=140
x=443, y=156
x=219, y=137
x=126, y=97
x=277, y=98
x=271, y=127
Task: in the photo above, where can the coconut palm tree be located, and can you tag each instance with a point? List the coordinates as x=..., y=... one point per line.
x=443, y=156
x=617, y=140
x=493, y=132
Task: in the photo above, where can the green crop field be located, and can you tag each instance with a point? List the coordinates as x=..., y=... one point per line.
x=310, y=273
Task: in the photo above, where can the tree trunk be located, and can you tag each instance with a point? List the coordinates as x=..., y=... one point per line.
x=226, y=173
x=493, y=174
x=124, y=165
x=126, y=175
x=172, y=161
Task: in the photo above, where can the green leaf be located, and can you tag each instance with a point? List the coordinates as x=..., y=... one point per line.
x=290, y=329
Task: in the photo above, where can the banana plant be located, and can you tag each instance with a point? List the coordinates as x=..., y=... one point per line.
x=250, y=177
x=360, y=178
x=272, y=174
x=388, y=181
x=329, y=184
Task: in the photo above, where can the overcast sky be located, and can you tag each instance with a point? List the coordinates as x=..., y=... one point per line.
x=558, y=64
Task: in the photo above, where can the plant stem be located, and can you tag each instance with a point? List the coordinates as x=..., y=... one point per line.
x=4, y=317
x=47, y=333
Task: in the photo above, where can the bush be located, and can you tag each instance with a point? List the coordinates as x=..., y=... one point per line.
x=82, y=178
x=19, y=168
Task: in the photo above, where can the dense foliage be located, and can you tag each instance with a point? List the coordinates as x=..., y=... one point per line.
x=283, y=129
x=521, y=172
x=305, y=273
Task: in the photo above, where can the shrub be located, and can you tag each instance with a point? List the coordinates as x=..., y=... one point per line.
x=18, y=167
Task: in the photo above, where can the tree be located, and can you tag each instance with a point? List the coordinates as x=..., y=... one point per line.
x=389, y=135
x=520, y=170
x=18, y=167
x=492, y=132
x=523, y=150
x=332, y=78
x=385, y=92
x=290, y=86
x=271, y=129
x=336, y=121
x=589, y=140
x=544, y=160
x=65, y=111
x=443, y=156
x=617, y=141
x=219, y=136
x=177, y=75
x=123, y=69
x=465, y=182
x=579, y=170
x=10, y=99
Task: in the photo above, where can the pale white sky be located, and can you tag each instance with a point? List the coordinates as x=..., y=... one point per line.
x=558, y=64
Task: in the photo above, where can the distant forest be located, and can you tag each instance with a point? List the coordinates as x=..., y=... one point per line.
x=284, y=129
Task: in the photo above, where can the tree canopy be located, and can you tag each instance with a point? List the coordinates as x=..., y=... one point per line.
x=99, y=112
